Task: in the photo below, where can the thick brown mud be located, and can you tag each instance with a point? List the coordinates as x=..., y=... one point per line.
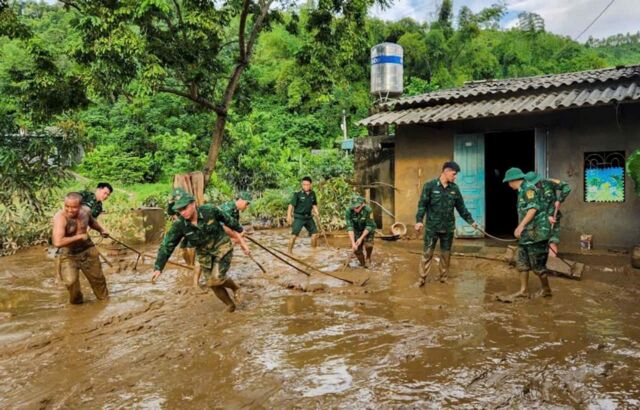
x=386, y=344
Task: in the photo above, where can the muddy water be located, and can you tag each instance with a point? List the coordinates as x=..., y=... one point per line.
x=386, y=344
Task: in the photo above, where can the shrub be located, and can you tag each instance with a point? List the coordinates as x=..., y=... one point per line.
x=109, y=162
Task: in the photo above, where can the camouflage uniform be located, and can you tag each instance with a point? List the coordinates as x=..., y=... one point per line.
x=554, y=190
x=533, y=245
x=303, y=203
x=438, y=203
x=89, y=199
x=213, y=247
x=233, y=212
x=358, y=222
x=185, y=242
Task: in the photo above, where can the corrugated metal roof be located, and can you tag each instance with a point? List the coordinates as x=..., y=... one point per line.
x=514, y=96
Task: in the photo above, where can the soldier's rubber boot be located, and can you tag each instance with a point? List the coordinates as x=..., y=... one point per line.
x=369, y=249
x=292, y=242
x=425, y=267
x=360, y=256
x=445, y=259
x=314, y=240
x=222, y=294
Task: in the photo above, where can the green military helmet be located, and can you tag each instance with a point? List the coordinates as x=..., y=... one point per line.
x=246, y=196
x=532, y=178
x=181, y=199
x=356, y=201
x=513, y=174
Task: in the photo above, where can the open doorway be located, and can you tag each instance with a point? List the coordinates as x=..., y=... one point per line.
x=504, y=150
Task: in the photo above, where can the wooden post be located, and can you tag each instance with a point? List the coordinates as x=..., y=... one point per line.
x=193, y=183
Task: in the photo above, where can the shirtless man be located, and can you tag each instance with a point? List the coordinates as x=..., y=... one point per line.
x=78, y=253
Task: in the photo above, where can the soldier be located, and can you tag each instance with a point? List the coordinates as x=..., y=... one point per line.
x=360, y=226
x=94, y=200
x=555, y=192
x=188, y=251
x=439, y=197
x=70, y=226
x=532, y=233
x=203, y=226
x=233, y=208
x=303, y=206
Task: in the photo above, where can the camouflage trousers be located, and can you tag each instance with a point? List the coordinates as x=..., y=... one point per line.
x=533, y=257
x=215, y=263
x=87, y=261
x=431, y=239
x=366, y=245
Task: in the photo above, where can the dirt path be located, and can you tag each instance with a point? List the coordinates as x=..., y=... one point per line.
x=387, y=344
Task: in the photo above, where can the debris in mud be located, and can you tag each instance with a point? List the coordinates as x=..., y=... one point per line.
x=307, y=287
x=607, y=369
x=511, y=298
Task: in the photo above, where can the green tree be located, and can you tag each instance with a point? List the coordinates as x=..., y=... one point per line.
x=194, y=49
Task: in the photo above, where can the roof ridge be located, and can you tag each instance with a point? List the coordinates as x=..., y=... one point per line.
x=544, y=81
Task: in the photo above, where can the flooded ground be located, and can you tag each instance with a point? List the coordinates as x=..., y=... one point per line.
x=387, y=344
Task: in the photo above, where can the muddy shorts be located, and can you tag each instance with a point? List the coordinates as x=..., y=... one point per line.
x=533, y=257
x=431, y=239
x=306, y=222
x=88, y=262
x=216, y=262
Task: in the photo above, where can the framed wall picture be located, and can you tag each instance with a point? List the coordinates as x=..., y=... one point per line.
x=604, y=176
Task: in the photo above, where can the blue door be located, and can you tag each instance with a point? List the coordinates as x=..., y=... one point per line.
x=468, y=152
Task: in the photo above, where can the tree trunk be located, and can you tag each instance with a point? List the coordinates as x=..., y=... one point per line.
x=214, y=148
x=232, y=86
x=221, y=121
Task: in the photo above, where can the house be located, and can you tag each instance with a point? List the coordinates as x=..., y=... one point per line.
x=578, y=127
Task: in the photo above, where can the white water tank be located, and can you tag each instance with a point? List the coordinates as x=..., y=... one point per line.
x=386, y=70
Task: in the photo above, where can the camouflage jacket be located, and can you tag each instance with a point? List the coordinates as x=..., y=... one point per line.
x=539, y=229
x=89, y=200
x=553, y=190
x=232, y=211
x=359, y=221
x=438, y=203
x=206, y=236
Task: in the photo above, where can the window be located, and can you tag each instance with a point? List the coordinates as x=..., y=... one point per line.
x=604, y=176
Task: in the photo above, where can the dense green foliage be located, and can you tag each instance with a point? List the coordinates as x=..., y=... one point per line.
x=100, y=76
x=633, y=168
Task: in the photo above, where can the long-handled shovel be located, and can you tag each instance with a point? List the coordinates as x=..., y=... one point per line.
x=275, y=255
x=140, y=255
x=280, y=255
x=332, y=274
x=576, y=268
x=324, y=235
x=259, y=265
